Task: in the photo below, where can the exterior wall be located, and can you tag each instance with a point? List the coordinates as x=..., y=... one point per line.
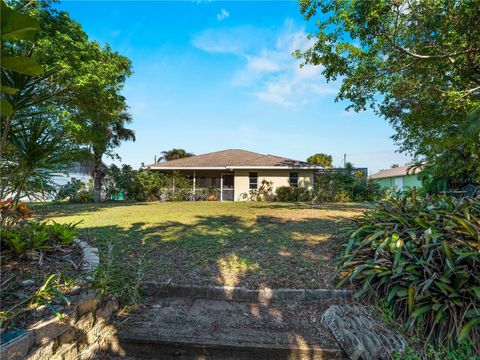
x=409, y=181
x=278, y=177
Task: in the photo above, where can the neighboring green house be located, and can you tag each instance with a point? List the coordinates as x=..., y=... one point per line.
x=398, y=178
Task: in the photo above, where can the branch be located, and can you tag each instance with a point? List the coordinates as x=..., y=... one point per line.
x=427, y=57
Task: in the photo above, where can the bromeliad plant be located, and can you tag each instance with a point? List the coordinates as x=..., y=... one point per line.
x=423, y=257
x=37, y=236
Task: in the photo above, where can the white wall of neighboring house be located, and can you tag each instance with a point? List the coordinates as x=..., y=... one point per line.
x=63, y=179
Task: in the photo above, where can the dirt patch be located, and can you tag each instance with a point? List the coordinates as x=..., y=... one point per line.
x=23, y=276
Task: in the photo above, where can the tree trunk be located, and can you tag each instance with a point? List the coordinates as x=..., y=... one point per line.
x=98, y=175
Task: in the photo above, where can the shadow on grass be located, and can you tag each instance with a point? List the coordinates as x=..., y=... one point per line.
x=226, y=250
x=50, y=209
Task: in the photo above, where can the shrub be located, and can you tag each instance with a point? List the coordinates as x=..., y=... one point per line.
x=37, y=236
x=292, y=194
x=75, y=191
x=263, y=193
x=120, y=180
x=345, y=187
x=12, y=214
x=423, y=257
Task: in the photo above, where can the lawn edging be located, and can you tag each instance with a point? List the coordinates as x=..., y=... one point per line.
x=241, y=294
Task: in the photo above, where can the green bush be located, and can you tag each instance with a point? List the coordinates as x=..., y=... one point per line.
x=422, y=256
x=154, y=186
x=75, y=191
x=345, y=187
x=263, y=193
x=37, y=236
x=292, y=194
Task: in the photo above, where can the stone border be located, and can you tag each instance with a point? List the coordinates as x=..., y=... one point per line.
x=80, y=329
x=90, y=256
x=241, y=294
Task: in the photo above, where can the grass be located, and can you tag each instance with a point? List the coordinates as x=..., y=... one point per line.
x=234, y=244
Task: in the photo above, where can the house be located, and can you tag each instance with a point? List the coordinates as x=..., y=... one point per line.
x=235, y=172
x=398, y=178
x=79, y=171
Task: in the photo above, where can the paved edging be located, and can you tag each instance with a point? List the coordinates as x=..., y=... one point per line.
x=90, y=256
x=241, y=294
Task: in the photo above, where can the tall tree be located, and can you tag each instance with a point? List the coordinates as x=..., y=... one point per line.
x=88, y=80
x=321, y=159
x=108, y=136
x=174, y=154
x=416, y=63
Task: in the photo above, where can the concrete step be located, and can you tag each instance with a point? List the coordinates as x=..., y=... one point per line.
x=186, y=328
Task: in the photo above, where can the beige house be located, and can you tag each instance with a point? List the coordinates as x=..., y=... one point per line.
x=235, y=172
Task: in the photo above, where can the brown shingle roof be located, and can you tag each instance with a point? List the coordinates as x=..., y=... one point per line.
x=395, y=172
x=232, y=158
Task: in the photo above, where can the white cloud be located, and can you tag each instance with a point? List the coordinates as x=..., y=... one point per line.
x=235, y=41
x=269, y=71
x=222, y=15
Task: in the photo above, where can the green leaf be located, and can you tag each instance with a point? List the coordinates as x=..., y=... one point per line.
x=411, y=299
x=23, y=65
x=17, y=26
x=8, y=90
x=476, y=290
x=465, y=332
x=6, y=108
x=448, y=254
x=422, y=310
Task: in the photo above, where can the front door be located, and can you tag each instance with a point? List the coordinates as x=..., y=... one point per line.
x=227, y=187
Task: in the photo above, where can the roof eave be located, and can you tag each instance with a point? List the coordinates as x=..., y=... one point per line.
x=234, y=167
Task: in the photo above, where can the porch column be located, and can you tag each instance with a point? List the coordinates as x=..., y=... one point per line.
x=194, y=184
x=221, y=188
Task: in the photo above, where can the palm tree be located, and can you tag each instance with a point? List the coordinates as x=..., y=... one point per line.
x=36, y=152
x=106, y=137
x=174, y=154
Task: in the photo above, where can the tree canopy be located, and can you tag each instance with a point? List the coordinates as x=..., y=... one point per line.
x=79, y=92
x=321, y=159
x=174, y=154
x=416, y=63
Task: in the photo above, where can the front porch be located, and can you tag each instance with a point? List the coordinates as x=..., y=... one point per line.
x=218, y=182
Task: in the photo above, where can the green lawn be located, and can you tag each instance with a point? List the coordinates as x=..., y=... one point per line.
x=235, y=244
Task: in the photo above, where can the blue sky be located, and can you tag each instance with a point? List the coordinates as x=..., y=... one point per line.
x=212, y=75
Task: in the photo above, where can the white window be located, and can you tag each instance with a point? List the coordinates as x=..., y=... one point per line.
x=399, y=183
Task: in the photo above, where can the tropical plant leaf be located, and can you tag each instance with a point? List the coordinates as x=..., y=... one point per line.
x=467, y=328
x=22, y=65
x=17, y=26
x=6, y=108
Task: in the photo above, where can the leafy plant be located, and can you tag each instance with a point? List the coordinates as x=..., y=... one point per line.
x=263, y=193
x=64, y=234
x=112, y=278
x=37, y=236
x=50, y=294
x=292, y=194
x=13, y=214
x=423, y=257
